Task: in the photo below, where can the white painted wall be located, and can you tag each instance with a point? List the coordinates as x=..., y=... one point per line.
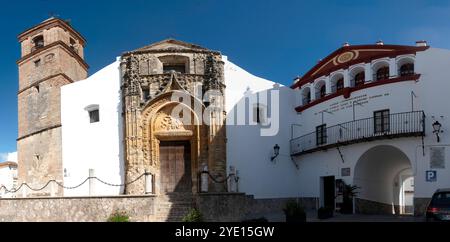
x=247, y=150
x=95, y=146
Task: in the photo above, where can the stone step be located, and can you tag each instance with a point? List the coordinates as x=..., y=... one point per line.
x=172, y=207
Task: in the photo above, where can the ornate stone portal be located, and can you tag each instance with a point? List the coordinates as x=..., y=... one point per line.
x=163, y=87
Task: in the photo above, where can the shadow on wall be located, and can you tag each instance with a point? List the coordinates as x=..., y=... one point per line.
x=121, y=132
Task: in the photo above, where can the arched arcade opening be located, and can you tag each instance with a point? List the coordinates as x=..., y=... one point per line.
x=384, y=175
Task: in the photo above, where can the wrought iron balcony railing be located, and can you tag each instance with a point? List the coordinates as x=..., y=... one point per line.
x=408, y=124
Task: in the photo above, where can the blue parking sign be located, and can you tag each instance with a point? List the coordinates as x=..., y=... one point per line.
x=431, y=176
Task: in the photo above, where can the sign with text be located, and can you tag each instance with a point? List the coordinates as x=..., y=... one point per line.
x=360, y=100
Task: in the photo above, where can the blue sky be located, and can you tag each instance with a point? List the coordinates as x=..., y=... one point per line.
x=277, y=40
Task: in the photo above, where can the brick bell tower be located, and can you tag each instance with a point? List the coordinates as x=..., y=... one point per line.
x=52, y=56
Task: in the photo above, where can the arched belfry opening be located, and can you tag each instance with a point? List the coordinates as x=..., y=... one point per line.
x=384, y=175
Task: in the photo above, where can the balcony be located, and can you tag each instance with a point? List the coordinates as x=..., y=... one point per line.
x=408, y=124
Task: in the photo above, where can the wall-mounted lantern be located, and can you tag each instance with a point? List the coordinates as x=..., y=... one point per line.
x=437, y=130
x=276, y=151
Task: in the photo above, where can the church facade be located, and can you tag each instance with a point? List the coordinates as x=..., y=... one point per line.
x=177, y=118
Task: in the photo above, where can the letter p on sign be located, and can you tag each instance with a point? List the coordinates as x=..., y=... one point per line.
x=431, y=176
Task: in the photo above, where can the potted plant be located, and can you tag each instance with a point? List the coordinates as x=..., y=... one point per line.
x=294, y=212
x=349, y=194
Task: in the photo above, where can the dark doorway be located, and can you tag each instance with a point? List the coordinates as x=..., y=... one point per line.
x=176, y=174
x=329, y=192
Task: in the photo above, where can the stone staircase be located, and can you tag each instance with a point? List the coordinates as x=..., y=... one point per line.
x=172, y=207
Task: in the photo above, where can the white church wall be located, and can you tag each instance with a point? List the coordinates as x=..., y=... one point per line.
x=96, y=146
x=248, y=151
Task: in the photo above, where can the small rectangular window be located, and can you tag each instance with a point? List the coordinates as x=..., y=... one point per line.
x=37, y=63
x=321, y=134
x=382, y=122
x=94, y=116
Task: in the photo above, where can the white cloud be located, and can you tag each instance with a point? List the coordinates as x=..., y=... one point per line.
x=12, y=157
x=3, y=157
x=8, y=157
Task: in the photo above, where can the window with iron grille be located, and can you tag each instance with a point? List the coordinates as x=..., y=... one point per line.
x=360, y=78
x=407, y=69
x=321, y=134
x=322, y=92
x=383, y=73
x=382, y=123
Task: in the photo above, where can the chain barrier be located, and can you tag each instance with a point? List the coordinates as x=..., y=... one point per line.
x=69, y=188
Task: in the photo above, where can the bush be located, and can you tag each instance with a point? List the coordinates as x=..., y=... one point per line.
x=194, y=216
x=119, y=217
x=325, y=213
x=294, y=212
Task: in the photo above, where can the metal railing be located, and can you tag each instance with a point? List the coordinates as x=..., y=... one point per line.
x=400, y=125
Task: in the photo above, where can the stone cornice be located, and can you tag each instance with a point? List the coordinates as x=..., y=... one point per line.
x=49, y=24
x=43, y=80
x=40, y=131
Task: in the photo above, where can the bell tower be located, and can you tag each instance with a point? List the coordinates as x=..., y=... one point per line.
x=52, y=56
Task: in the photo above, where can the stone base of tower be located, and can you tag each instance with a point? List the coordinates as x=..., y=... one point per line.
x=40, y=162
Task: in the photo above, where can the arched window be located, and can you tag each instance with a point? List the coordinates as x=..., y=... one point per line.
x=339, y=84
x=382, y=73
x=360, y=78
x=407, y=69
x=323, y=91
x=38, y=42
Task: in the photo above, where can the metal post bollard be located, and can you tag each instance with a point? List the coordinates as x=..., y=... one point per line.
x=232, y=180
x=148, y=183
x=91, y=182
x=204, y=179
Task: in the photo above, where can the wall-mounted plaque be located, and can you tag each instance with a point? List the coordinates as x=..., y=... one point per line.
x=346, y=172
x=437, y=157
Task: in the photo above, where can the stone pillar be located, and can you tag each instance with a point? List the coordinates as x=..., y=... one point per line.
x=347, y=81
x=393, y=72
x=328, y=85
x=312, y=89
x=368, y=72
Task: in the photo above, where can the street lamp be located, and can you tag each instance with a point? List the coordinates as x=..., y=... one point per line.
x=437, y=130
x=276, y=151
